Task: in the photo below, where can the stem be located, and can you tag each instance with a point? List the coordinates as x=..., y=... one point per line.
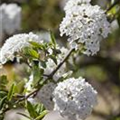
x=59, y=65
x=26, y=97
x=115, y=3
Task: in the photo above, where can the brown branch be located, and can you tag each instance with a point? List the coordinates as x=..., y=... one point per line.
x=27, y=96
x=110, y=7
x=60, y=64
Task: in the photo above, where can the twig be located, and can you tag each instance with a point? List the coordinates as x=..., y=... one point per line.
x=27, y=96
x=110, y=7
x=59, y=65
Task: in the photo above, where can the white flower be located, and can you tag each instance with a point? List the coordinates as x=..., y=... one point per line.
x=72, y=3
x=29, y=83
x=45, y=95
x=85, y=25
x=74, y=98
x=15, y=44
x=11, y=18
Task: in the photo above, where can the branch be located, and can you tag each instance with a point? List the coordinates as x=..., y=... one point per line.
x=27, y=96
x=110, y=7
x=59, y=65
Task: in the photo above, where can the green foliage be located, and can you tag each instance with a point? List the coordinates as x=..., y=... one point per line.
x=39, y=108
x=37, y=75
x=37, y=45
x=2, y=101
x=11, y=92
x=3, y=82
x=42, y=114
x=53, y=40
x=36, y=111
x=30, y=53
x=31, y=110
x=20, y=87
x=3, y=93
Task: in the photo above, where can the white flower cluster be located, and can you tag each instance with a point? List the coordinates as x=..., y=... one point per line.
x=10, y=18
x=85, y=25
x=15, y=44
x=74, y=98
x=71, y=3
x=45, y=95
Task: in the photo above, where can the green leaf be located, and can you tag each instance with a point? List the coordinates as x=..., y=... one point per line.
x=37, y=75
x=31, y=110
x=3, y=79
x=11, y=92
x=36, y=45
x=53, y=40
x=2, y=93
x=20, y=87
x=31, y=52
x=3, y=82
x=42, y=108
x=43, y=64
x=39, y=108
x=2, y=101
x=42, y=114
